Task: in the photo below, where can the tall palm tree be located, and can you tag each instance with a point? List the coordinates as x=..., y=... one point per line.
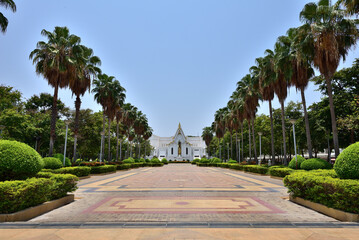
x=351, y=6
x=55, y=61
x=146, y=135
x=266, y=80
x=3, y=20
x=333, y=35
x=301, y=58
x=139, y=127
x=219, y=126
x=86, y=69
x=129, y=117
x=283, y=69
x=207, y=136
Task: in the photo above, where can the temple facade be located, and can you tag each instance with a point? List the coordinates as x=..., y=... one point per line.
x=179, y=147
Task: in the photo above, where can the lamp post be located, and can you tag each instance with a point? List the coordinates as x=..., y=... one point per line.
x=67, y=122
x=102, y=138
x=228, y=151
x=2, y=127
x=292, y=121
x=260, y=147
x=239, y=150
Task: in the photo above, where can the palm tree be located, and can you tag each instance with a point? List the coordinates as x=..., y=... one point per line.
x=239, y=113
x=86, y=69
x=139, y=127
x=146, y=135
x=351, y=6
x=301, y=58
x=266, y=80
x=207, y=136
x=3, y=20
x=283, y=68
x=129, y=117
x=333, y=36
x=219, y=125
x=55, y=61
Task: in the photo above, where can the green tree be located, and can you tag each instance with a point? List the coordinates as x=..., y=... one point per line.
x=3, y=20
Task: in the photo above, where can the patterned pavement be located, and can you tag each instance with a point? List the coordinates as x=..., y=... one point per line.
x=182, y=193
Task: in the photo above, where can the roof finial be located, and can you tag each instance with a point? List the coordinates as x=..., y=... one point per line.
x=179, y=125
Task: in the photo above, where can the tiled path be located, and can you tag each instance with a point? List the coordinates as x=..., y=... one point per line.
x=182, y=193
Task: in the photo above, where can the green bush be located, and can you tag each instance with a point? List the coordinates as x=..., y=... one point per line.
x=103, y=169
x=204, y=160
x=199, y=164
x=141, y=160
x=315, y=163
x=61, y=157
x=123, y=166
x=52, y=163
x=61, y=184
x=232, y=161
x=77, y=171
x=235, y=166
x=223, y=165
x=255, y=169
x=215, y=160
x=18, y=160
x=347, y=163
x=155, y=160
x=129, y=160
x=164, y=161
x=155, y=164
x=332, y=192
x=293, y=165
x=278, y=171
x=195, y=161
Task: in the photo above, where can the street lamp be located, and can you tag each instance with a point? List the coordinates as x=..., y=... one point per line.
x=67, y=122
x=102, y=139
x=260, y=147
x=228, y=151
x=2, y=127
x=292, y=121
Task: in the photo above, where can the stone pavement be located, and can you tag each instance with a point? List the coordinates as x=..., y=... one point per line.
x=182, y=193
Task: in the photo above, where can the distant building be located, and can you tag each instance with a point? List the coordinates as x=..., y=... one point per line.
x=178, y=147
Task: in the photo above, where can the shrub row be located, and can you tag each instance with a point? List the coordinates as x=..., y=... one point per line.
x=103, y=169
x=321, y=187
x=18, y=195
x=280, y=171
x=77, y=171
x=255, y=169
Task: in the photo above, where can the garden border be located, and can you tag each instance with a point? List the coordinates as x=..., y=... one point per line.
x=38, y=210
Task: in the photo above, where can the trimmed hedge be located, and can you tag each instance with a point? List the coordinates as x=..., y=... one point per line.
x=155, y=160
x=280, y=171
x=315, y=163
x=236, y=166
x=18, y=160
x=129, y=160
x=232, y=161
x=293, y=165
x=215, y=160
x=223, y=165
x=123, y=166
x=52, y=163
x=18, y=195
x=61, y=157
x=164, y=161
x=103, y=169
x=255, y=169
x=318, y=187
x=77, y=171
x=347, y=163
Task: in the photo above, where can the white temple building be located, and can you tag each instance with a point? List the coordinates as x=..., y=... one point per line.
x=179, y=147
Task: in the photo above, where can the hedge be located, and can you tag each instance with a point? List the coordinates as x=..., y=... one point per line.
x=18, y=195
x=332, y=192
x=123, y=166
x=280, y=171
x=296, y=165
x=223, y=165
x=236, y=166
x=77, y=171
x=255, y=169
x=315, y=163
x=347, y=163
x=103, y=169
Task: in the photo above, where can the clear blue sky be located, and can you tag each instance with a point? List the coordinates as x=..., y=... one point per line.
x=179, y=60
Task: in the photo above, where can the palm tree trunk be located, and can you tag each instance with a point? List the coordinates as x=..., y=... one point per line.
x=53, y=120
x=283, y=133
x=254, y=140
x=237, y=154
x=139, y=148
x=242, y=141
x=271, y=131
x=219, y=148
x=332, y=115
x=307, y=129
x=117, y=126
x=103, y=136
x=77, y=106
x=109, y=140
x=231, y=146
x=249, y=140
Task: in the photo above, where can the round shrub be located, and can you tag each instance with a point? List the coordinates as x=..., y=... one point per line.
x=215, y=160
x=164, y=160
x=315, y=163
x=141, y=160
x=61, y=157
x=52, y=163
x=155, y=160
x=129, y=160
x=18, y=160
x=204, y=160
x=347, y=163
x=232, y=161
x=292, y=163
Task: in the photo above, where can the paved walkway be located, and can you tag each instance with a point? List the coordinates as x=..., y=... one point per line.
x=179, y=193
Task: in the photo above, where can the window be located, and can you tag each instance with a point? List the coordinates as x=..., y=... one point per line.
x=186, y=151
x=171, y=151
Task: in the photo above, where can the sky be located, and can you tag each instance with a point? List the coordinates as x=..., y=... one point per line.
x=179, y=60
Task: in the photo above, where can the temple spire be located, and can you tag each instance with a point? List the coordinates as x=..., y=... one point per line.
x=179, y=125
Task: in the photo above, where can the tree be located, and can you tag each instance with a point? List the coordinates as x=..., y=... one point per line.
x=55, y=61
x=351, y=6
x=9, y=97
x=333, y=35
x=207, y=136
x=3, y=20
x=43, y=103
x=86, y=68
